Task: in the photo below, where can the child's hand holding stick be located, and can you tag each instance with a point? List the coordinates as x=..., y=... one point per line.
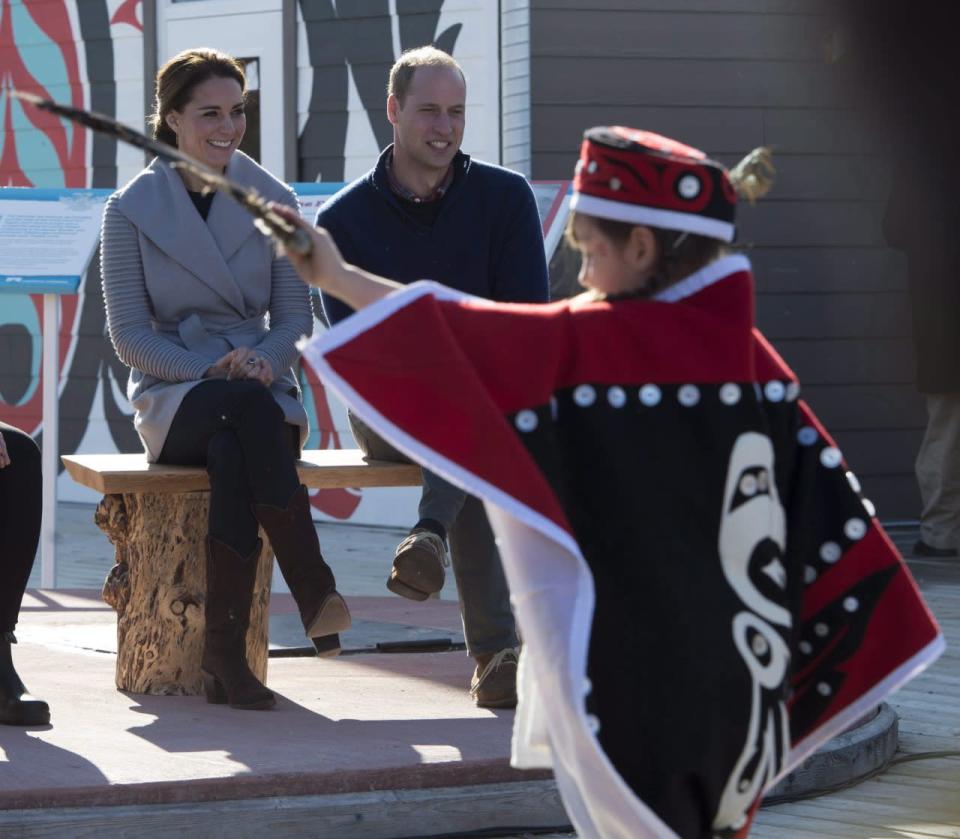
x=323, y=267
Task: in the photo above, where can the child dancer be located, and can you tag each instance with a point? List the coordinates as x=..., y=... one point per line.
x=703, y=594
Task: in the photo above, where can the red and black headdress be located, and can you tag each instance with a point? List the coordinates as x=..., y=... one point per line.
x=640, y=177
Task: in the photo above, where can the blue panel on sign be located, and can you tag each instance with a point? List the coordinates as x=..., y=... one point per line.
x=309, y=188
x=47, y=238
x=19, y=193
x=39, y=285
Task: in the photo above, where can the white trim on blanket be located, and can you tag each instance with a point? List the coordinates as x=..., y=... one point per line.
x=369, y=316
x=711, y=273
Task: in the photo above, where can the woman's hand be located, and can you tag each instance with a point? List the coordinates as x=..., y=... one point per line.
x=4, y=454
x=259, y=368
x=242, y=363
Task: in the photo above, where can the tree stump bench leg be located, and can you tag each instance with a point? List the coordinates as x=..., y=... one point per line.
x=158, y=586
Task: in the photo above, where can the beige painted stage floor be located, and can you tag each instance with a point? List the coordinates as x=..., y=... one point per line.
x=358, y=721
x=356, y=745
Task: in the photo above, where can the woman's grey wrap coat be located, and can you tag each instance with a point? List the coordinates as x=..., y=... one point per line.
x=180, y=293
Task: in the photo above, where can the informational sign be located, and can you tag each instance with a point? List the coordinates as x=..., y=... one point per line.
x=47, y=237
x=312, y=196
x=553, y=204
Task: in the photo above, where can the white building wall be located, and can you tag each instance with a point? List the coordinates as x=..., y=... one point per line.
x=515, y=84
x=476, y=26
x=127, y=41
x=477, y=49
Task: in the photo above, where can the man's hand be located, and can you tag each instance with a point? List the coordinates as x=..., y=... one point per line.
x=4, y=454
x=242, y=363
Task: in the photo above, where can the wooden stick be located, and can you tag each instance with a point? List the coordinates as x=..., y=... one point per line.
x=268, y=221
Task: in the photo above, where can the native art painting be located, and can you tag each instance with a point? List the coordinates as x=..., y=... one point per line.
x=42, y=51
x=65, y=50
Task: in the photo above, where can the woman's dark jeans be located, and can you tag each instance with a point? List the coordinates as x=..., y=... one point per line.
x=237, y=430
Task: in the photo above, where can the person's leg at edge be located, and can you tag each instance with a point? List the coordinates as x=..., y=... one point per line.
x=20, y=511
x=488, y=623
x=938, y=477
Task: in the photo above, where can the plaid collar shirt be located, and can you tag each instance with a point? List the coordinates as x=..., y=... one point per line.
x=408, y=195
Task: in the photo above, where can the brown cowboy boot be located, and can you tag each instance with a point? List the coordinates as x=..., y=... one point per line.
x=226, y=676
x=295, y=544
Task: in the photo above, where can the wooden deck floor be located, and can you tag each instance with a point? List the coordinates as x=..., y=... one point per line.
x=918, y=795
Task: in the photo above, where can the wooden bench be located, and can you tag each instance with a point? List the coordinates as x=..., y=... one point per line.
x=156, y=518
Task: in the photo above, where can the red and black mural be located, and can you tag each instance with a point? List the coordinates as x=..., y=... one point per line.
x=65, y=50
x=43, y=46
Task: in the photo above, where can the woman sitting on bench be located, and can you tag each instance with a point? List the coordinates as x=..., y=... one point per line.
x=189, y=286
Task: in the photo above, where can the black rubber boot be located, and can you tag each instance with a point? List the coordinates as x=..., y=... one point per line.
x=226, y=676
x=17, y=707
x=295, y=544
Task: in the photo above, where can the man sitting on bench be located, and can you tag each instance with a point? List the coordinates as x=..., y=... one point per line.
x=428, y=210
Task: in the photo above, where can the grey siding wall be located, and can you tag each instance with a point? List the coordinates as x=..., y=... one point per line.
x=728, y=75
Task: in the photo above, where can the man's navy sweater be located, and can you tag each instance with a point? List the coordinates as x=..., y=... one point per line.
x=486, y=238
